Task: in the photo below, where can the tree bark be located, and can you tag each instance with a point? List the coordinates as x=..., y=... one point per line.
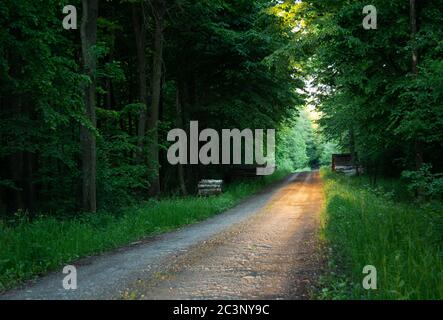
x=138, y=18
x=354, y=158
x=30, y=186
x=179, y=123
x=16, y=202
x=418, y=144
x=87, y=137
x=413, y=13
x=158, y=8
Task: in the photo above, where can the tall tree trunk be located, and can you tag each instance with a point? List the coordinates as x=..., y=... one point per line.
x=413, y=22
x=15, y=160
x=179, y=124
x=418, y=144
x=158, y=8
x=138, y=19
x=87, y=137
x=30, y=186
x=17, y=201
x=354, y=158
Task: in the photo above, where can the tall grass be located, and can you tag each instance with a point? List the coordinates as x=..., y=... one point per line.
x=366, y=226
x=28, y=248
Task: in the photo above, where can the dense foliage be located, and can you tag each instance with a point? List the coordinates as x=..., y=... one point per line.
x=377, y=102
x=154, y=65
x=84, y=117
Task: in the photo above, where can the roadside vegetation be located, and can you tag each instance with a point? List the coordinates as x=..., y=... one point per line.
x=379, y=94
x=385, y=227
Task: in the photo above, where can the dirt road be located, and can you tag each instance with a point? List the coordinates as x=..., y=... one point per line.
x=265, y=248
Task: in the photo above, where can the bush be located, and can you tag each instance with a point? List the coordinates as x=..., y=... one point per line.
x=430, y=185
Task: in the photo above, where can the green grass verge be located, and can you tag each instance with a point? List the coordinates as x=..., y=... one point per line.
x=371, y=226
x=28, y=249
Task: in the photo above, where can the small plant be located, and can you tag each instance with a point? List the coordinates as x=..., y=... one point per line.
x=429, y=185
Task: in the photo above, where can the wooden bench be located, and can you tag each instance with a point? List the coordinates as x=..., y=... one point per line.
x=210, y=187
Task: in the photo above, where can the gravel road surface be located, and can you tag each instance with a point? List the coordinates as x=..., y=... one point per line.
x=264, y=248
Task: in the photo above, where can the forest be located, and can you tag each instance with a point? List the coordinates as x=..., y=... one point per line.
x=85, y=111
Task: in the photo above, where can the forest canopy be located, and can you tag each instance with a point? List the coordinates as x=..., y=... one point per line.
x=380, y=91
x=85, y=112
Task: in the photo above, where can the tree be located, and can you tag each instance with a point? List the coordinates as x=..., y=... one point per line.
x=158, y=10
x=417, y=144
x=87, y=133
x=73, y=109
x=372, y=101
x=179, y=123
x=139, y=21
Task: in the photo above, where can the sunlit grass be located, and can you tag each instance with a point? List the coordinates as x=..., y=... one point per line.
x=28, y=248
x=366, y=226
